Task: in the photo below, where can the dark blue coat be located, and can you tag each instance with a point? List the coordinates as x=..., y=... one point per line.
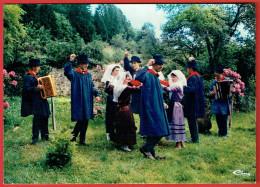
x=152, y=113
x=32, y=103
x=135, y=100
x=82, y=93
x=194, y=101
x=220, y=106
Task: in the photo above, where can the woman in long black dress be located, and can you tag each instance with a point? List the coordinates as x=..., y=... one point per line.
x=109, y=77
x=124, y=120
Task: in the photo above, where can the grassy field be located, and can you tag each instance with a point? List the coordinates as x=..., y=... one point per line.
x=213, y=160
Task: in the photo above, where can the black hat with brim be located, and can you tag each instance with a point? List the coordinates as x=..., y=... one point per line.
x=219, y=69
x=135, y=59
x=192, y=64
x=83, y=59
x=158, y=59
x=34, y=62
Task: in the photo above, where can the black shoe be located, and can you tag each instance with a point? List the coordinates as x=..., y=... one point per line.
x=73, y=139
x=34, y=142
x=83, y=143
x=190, y=141
x=159, y=157
x=147, y=154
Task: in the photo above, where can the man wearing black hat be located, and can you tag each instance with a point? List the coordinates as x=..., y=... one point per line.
x=135, y=61
x=82, y=94
x=194, y=101
x=32, y=103
x=220, y=107
x=154, y=122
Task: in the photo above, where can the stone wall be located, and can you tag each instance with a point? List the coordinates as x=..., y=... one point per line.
x=63, y=84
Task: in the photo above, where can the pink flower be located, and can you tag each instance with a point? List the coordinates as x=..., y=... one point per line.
x=238, y=81
x=12, y=73
x=6, y=75
x=6, y=105
x=95, y=111
x=97, y=108
x=227, y=71
x=99, y=67
x=241, y=94
x=14, y=82
x=4, y=72
x=237, y=86
x=243, y=86
x=239, y=91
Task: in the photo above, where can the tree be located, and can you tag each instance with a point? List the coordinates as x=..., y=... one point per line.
x=100, y=26
x=82, y=20
x=199, y=28
x=14, y=32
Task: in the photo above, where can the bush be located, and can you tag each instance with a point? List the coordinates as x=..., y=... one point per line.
x=60, y=152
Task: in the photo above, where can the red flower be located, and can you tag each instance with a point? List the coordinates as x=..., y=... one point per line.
x=237, y=111
x=6, y=105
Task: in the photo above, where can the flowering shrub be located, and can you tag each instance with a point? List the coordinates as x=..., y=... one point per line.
x=239, y=85
x=99, y=112
x=9, y=85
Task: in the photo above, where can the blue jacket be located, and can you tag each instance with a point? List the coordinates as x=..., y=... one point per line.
x=220, y=106
x=152, y=113
x=32, y=103
x=135, y=101
x=82, y=93
x=194, y=100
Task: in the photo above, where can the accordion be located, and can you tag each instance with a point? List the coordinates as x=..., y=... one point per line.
x=223, y=89
x=49, y=86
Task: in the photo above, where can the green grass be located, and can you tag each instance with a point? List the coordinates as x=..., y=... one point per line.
x=211, y=161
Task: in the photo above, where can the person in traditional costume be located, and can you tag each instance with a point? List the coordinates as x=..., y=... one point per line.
x=34, y=104
x=82, y=95
x=133, y=69
x=175, y=112
x=194, y=101
x=109, y=78
x=154, y=123
x=220, y=107
x=124, y=119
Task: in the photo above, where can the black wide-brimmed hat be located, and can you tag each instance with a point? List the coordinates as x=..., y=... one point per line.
x=34, y=62
x=158, y=59
x=219, y=68
x=192, y=64
x=83, y=59
x=135, y=59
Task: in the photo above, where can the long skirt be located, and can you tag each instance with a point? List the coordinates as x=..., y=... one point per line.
x=177, y=125
x=124, y=126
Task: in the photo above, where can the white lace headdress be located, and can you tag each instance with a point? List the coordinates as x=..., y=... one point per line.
x=182, y=79
x=118, y=84
x=107, y=75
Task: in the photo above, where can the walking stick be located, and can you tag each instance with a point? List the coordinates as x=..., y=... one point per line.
x=53, y=114
x=231, y=111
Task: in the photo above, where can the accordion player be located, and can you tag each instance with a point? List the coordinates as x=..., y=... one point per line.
x=49, y=86
x=222, y=89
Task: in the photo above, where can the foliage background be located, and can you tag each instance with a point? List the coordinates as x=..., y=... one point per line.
x=209, y=32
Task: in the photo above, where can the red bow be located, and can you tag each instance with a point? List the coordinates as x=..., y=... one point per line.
x=194, y=73
x=32, y=73
x=80, y=71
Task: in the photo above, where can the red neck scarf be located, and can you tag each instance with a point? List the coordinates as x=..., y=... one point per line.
x=220, y=79
x=80, y=71
x=153, y=72
x=194, y=73
x=32, y=73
